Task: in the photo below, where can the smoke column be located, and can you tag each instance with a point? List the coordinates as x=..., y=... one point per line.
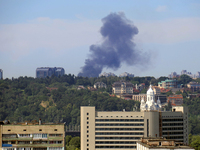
x=117, y=47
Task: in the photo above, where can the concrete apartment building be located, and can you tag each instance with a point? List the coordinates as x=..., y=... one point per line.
x=32, y=136
x=43, y=72
x=122, y=87
x=150, y=143
x=1, y=74
x=121, y=129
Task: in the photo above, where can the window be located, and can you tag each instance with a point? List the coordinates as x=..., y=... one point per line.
x=55, y=129
x=40, y=129
x=87, y=113
x=87, y=131
x=87, y=122
x=87, y=118
x=87, y=140
x=87, y=126
x=9, y=130
x=38, y=136
x=87, y=135
x=24, y=130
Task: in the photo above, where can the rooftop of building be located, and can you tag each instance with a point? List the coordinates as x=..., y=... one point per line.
x=34, y=122
x=162, y=143
x=168, y=80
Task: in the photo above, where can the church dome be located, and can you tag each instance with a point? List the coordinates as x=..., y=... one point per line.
x=150, y=91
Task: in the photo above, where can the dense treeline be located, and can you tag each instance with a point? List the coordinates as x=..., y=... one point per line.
x=27, y=98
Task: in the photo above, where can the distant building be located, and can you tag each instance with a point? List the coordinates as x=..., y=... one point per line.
x=122, y=87
x=98, y=85
x=44, y=72
x=1, y=74
x=139, y=97
x=198, y=75
x=173, y=75
x=140, y=87
x=175, y=100
x=32, y=136
x=168, y=84
x=125, y=74
x=194, y=86
x=107, y=74
x=159, y=143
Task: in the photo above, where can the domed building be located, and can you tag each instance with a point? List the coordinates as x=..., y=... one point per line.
x=150, y=104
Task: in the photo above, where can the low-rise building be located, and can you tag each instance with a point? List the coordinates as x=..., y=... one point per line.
x=193, y=86
x=122, y=87
x=175, y=100
x=139, y=97
x=168, y=84
x=150, y=143
x=98, y=85
x=32, y=136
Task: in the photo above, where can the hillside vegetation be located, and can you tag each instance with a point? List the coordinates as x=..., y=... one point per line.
x=27, y=99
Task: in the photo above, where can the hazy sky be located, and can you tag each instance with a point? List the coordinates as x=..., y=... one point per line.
x=49, y=33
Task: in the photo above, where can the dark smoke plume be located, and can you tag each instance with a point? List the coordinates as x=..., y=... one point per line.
x=117, y=47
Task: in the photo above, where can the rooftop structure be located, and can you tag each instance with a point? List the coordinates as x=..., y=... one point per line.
x=150, y=104
x=43, y=72
x=150, y=143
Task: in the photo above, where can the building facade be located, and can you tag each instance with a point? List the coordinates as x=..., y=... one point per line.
x=175, y=100
x=139, y=97
x=98, y=85
x=168, y=84
x=122, y=87
x=32, y=136
x=104, y=130
x=194, y=86
x=1, y=74
x=44, y=72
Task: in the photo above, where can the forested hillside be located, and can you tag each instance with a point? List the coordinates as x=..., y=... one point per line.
x=27, y=99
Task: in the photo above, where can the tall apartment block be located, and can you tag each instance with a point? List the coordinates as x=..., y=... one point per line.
x=1, y=74
x=32, y=136
x=104, y=130
x=43, y=72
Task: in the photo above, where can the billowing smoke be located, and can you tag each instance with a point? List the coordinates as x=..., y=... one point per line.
x=117, y=47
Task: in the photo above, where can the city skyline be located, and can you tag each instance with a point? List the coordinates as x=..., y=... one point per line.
x=40, y=34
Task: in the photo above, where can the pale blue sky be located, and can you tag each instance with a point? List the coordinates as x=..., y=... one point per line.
x=59, y=33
